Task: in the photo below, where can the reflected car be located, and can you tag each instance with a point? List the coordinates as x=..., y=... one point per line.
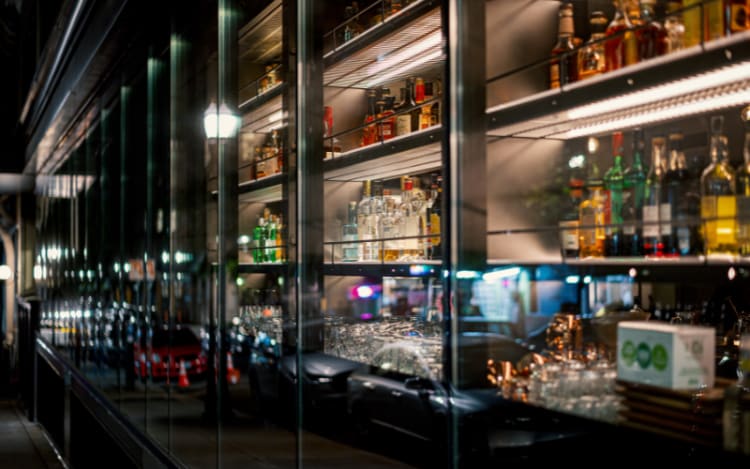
x=166, y=350
x=401, y=391
x=273, y=376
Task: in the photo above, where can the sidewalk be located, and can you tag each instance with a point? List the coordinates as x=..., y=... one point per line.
x=23, y=444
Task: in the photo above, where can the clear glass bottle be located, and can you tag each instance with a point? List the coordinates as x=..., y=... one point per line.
x=563, y=68
x=674, y=28
x=718, y=196
x=368, y=213
x=614, y=185
x=591, y=232
x=391, y=227
x=591, y=57
x=683, y=237
x=654, y=209
x=635, y=190
x=413, y=206
x=743, y=191
x=621, y=46
x=349, y=234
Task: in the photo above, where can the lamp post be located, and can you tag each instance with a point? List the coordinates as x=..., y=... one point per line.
x=221, y=126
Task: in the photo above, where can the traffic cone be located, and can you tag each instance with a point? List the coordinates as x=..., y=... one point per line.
x=233, y=374
x=183, y=380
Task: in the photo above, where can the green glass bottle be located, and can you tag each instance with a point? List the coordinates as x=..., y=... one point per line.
x=635, y=191
x=614, y=184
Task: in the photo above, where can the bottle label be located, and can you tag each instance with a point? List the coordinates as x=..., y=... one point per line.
x=403, y=124
x=665, y=219
x=569, y=235
x=651, y=221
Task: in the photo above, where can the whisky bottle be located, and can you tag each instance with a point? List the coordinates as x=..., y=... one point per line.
x=563, y=68
x=591, y=58
x=621, y=45
x=692, y=17
x=736, y=16
x=405, y=110
x=614, y=182
x=635, y=190
x=651, y=33
x=349, y=233
x=718, y=200
x=591, y=232
x=429, y=95
x=655, y=210
x=743, y=191
x=417, y=95
x=569, y=222
x=390, y=226
x=683, y=237
x=370, y=131
x=388, y=123
x=674, y=28
x=413, y=205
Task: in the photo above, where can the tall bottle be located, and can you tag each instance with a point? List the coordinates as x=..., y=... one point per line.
x=743, y=191
x=370, y=130
x=412, y=211
x=563, y=67
x=349, y=234
x=718, y=200
x=651, y=33
x=391, y=227
x=404, y=110
x=591, y=58
x=635, y=191
x=591, y=232
x=614, y=184
x=368, y=212
x=674, y=27
x=683, y=237
x=435, y=211
x=655, y=210
x=621, y=46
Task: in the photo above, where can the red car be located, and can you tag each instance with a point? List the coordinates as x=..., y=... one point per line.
x=165, y=350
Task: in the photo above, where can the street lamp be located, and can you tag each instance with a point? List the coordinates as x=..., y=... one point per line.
x=220, y=122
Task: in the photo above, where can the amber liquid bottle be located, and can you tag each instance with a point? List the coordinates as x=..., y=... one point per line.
x=591, y=231
x=621, y=46
x=563, y=67
x=743, y=191
x=591, y=58
x=718, y=196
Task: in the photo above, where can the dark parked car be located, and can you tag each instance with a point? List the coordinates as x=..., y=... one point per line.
x=401, y=391
x=273, y=376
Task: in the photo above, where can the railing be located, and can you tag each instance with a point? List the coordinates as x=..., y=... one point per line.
x=85, y=428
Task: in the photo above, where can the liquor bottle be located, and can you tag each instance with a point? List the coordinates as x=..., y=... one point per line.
x=435, y=211
x=417, y=94
x=674, y=27
x=614, y=182
x=353, y=26
x=388, y=125
x=434, y=92
x=391, y=227
x=651, y=33
x=259, y=241
x=404, y=111
x=654, y=208
x=368, y=212
x=591, y=58
x=621, y=45
x=569, y=222
x=563, y=68
x=736, y=407
x=278, y=151
x=413, y=204
x=260, y=164
x=281, y=248
x=591, y=232
x=635, y=190
x=718, y=200
x=370, y=131
x=349, y=233
x=737, y=16
x=270, y=236
x=743, y=190
x=425, y=117
x=683, y=237
x=692, y=17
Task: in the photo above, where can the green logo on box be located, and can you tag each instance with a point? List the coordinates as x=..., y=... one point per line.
x=660, y=357
x=643, y=355
x=628, y=352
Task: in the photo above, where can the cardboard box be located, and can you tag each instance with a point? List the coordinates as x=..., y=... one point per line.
x=674, y=356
